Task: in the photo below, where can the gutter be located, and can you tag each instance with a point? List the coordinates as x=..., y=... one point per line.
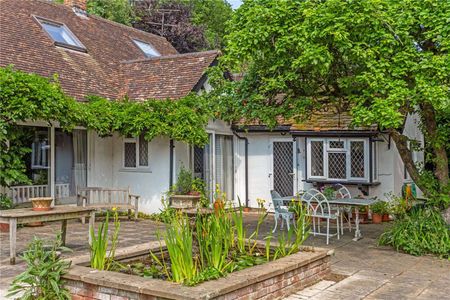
x=246, y=165
x=171, y=146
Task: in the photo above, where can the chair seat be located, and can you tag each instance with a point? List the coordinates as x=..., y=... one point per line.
x=325, y=216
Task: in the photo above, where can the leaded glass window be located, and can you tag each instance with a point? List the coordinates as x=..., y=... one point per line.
x=317, y=158
x=357, y=159
x=130, y=155
x=143, y=151
x=136, y=152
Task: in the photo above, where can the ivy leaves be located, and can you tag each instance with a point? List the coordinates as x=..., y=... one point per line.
x=184, y=119
x=29, y=97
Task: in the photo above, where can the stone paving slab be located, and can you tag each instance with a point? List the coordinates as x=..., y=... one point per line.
x=374, y=272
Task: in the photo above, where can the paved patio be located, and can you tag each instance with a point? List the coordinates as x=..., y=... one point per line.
x=370, y=272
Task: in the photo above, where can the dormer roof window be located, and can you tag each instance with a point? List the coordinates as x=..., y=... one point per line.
x=62, y=36
x=147, y=48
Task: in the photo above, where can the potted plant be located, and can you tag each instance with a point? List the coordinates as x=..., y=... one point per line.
x=183, y=194
x=378, y=209
x=5, y=203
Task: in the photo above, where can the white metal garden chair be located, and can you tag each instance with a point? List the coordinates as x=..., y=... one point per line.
x=281, y=211
x=343, y=192
x=319, y=208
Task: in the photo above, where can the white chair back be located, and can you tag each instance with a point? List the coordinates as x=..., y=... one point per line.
x=317, y=203
x=276, y=200
x=343, y=191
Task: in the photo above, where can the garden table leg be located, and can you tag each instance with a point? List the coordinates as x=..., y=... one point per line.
x=63, y=232
x=358, y=235
x=12, y=240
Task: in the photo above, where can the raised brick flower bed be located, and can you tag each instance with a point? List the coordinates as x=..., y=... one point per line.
x=271, y=280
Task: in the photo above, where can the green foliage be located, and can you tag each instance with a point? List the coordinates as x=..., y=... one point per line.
x=100, y=259
x=29, y=97
x=380, y=59
x=213, y=15
x=119, y=11
x=238, y=220
x=198, y=185
x=178, y=239
x=5, y=202
x=215, y=235
x=42, y=278
x=420, y=231
x=381, y=207
x=184, y=182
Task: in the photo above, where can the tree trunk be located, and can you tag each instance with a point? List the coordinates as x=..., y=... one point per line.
x=430, y=126
x=401, y=142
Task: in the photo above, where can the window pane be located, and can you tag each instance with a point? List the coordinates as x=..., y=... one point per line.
x=59, y=34
x=147, y=49
x=316, y=158
x=337, y=165
x=130, y=155
x=337, y=144
x=357, y=159
x=143, y=151
x=224, y=164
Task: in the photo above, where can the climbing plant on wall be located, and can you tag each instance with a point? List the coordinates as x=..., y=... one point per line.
x=29, y=97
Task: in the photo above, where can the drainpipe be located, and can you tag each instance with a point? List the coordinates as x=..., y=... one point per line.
x=171, y=146
x=246, y=166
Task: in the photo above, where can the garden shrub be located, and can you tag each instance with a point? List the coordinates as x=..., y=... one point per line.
x=419, y=231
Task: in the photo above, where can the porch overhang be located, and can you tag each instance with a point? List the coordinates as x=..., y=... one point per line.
x=261, y=128
x=334, y=133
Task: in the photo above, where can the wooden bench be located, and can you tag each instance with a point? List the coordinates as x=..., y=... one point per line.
x=108, y=198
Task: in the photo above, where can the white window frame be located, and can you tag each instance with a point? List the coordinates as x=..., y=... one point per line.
x=135, y=140
x=138, y=43
x=79, y=46
x=346, y=150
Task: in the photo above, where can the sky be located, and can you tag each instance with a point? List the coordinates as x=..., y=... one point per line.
x=235, y=3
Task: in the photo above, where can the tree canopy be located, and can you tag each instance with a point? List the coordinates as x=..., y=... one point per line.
x=379, y=59
x=189, y=25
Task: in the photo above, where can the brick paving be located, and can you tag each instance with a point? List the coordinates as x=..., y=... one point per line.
x=371, y=272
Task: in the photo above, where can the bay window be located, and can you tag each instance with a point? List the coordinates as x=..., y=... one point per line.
x=338, y=159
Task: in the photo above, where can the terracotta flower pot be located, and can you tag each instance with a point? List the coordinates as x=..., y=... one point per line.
x=246, y=209
x=41, y=203
x=4, y=227
x=386, y=218
x=377, y=218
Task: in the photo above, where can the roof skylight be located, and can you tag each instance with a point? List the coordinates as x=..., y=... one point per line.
x=61, y=34
x=148, y=49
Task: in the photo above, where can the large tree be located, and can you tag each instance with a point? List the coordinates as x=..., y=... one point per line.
x=380, y=59
x=172, y=20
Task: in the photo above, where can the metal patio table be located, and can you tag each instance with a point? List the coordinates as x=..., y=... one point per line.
x=352, y=202
x=27, y=215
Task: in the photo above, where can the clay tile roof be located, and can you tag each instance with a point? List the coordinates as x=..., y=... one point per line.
x=164, y=77
x=329, y=120
x=100, y=71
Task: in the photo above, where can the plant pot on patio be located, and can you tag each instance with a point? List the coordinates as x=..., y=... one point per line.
x=184, y=201
x=385, y=218
x=41, y=203
x=4, y=227
x=377, y=218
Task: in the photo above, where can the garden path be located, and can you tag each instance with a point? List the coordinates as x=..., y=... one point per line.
x=370, y=272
